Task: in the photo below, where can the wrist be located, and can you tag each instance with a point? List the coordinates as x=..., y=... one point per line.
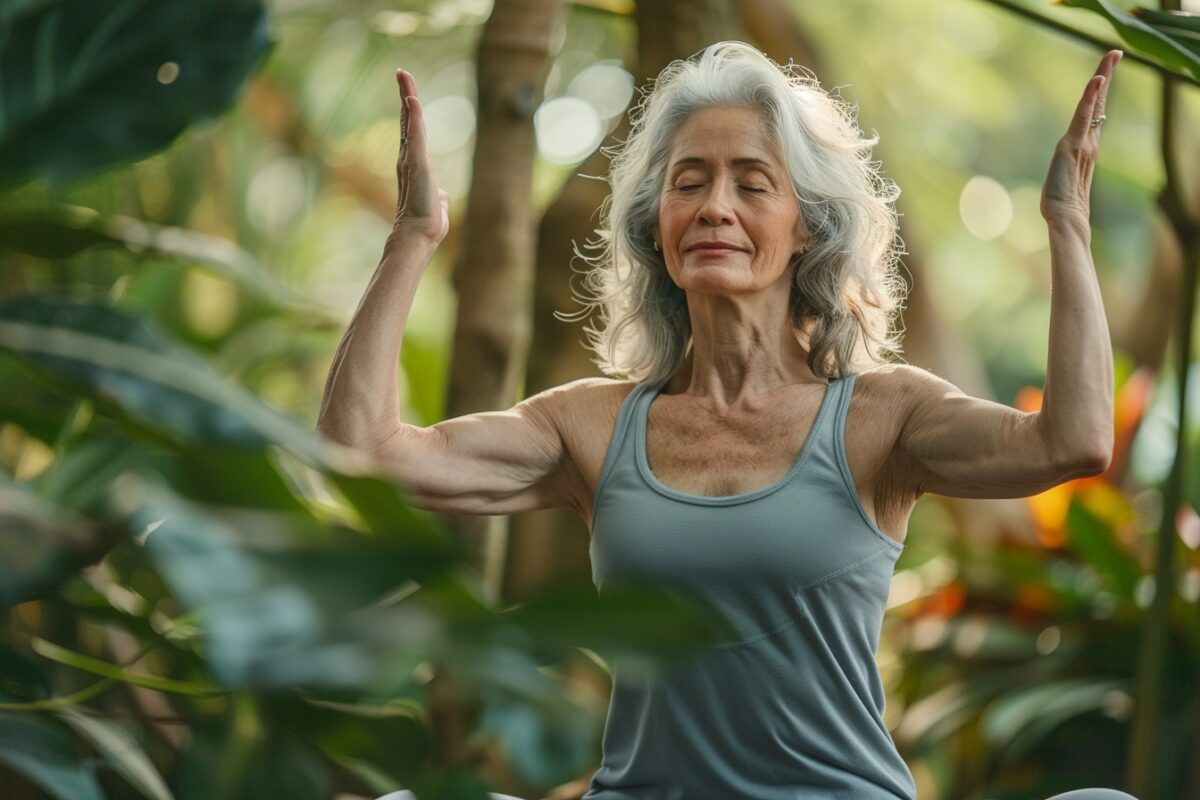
x=1065, y=224
x=409, y=241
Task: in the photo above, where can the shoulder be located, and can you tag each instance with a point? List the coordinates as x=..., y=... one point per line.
x=583, y=414
x=577, y=407
x=902, y=386
x=885, y=386
x=582, y=395
x=885, y=399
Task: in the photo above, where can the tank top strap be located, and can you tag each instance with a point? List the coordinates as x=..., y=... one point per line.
x=621, y=445
x=844, y=387
x=827, y=431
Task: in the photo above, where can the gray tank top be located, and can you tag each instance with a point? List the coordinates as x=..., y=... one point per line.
x=791, y=707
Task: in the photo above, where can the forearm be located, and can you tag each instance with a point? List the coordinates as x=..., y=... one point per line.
x=360, y=406
x=1077, y=404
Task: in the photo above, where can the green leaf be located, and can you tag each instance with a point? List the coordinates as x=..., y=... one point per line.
x=382, y=506
x=930, y=721
x=1097, y=543
x=280, y=607
x=1182, y=26
x=1019, y=720
x=1146, y=38
x=116, y=672
x=121, y=751
x=671, y=626
x=544, y=749
x=361, y=737
x=254, y=764
x=59, y=232
x=47, y=755
x=22, y=678
x=119, y=358
x=79, y=480
x=27, y=403
x=84, y=85
x=41, y=547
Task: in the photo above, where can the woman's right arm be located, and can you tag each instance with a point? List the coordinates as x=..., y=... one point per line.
x=498, y=462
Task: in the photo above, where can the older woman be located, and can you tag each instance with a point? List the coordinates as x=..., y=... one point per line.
x=761, y=451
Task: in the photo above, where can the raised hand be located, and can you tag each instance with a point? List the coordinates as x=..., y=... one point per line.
x=1067, y=191
x=422, y=209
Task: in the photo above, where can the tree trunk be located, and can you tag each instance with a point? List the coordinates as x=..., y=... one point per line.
x=546, y=544
x=492, y=277
x=494, y=270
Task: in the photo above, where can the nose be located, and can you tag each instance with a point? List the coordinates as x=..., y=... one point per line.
x=717, y=207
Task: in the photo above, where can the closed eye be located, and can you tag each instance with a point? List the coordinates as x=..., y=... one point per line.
x=698, y=186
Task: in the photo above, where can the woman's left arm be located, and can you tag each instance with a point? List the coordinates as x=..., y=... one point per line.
x=1077, y=403
x=961, y=446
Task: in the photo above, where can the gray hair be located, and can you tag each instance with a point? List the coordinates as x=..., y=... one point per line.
x=846, y=292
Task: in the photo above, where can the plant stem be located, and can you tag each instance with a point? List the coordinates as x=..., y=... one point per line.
x=1102, y=44
x=1143, y=776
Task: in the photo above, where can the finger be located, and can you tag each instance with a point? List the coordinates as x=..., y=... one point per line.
x=413, y=130
x=1081, y=122
x=407, y=87
x=1108, y=65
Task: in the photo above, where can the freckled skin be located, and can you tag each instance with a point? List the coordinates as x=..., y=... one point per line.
x=726, y=180
x=744, y=399
x=751, y=205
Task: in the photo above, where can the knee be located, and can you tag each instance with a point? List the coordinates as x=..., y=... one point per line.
x=1093, y=794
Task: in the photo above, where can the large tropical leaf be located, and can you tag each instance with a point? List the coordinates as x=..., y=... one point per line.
x=280, y=607
x=1019, y=720
x=119, y=358
x=88, y=85
x=39, y=547
x=672, y=626
x=43, y=752
x=1157, y=40
x=121, y=750
x=24, y=401
x=1182, y=26
x=58, y=232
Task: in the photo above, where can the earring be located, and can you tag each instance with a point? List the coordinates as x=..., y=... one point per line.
x=657, y=246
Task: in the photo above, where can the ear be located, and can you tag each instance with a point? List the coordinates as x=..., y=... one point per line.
x=801, y=239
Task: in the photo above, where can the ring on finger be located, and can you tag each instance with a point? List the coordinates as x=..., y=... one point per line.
x=1098, y=121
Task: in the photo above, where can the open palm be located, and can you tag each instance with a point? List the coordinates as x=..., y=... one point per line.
x=1066, y=192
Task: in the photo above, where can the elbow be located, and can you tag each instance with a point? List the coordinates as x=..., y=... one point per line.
x=1094, y=461
x=356, y=433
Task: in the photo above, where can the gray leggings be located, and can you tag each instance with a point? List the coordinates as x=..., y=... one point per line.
x=1074, y=794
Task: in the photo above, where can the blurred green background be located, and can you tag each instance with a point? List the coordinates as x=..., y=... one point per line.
x=204, y=599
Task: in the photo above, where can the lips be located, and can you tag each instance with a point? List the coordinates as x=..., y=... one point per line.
x=715, y=246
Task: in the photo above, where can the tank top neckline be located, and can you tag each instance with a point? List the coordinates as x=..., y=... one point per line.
x=642, y=412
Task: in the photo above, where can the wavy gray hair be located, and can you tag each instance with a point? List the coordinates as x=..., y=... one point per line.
x=846, y=292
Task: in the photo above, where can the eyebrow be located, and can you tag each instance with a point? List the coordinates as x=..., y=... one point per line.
x=737, y=162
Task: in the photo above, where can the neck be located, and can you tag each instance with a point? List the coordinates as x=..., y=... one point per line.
x=742, y=347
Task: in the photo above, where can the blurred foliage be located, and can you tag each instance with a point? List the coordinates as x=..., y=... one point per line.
x=1018, y=662
x=194, y=578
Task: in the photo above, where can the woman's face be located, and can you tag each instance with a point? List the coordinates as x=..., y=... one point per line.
x=726, y=182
